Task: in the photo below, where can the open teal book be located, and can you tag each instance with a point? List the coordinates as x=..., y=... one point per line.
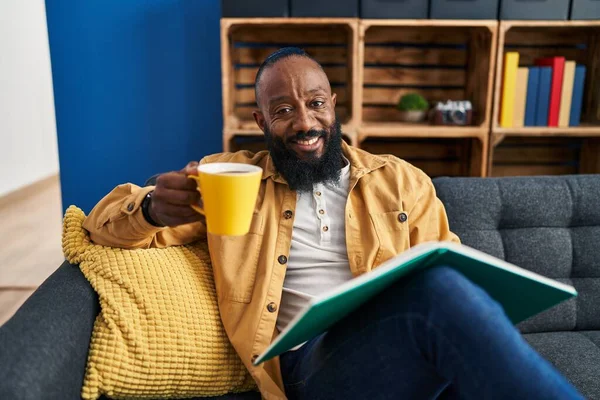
x=522, y=293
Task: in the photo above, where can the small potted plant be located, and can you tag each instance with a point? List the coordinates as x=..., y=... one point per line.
x=413, y=107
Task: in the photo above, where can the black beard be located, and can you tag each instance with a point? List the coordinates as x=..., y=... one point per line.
x=301, y=174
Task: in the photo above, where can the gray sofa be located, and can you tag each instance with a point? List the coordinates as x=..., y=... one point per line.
x=550, y=225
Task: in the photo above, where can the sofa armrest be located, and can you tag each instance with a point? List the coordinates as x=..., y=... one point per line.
x=44, y=346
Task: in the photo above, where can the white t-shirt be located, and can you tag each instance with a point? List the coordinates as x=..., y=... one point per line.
x=318, y=259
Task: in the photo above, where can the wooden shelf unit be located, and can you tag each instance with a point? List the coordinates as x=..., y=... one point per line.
x=441, y=60
x=246, y=42
x=549, y=150
x=371, y=63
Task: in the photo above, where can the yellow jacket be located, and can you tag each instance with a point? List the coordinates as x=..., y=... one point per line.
x=391, y=206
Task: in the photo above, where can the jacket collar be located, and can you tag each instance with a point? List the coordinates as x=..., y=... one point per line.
x=361, y=163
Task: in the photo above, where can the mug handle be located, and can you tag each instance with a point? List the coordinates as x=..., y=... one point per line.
x=197, y=208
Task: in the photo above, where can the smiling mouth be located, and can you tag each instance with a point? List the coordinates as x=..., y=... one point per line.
x=307, y=142
x=307, y=145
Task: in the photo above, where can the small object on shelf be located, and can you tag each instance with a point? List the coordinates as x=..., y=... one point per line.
x=413, y=107
x=453, y=113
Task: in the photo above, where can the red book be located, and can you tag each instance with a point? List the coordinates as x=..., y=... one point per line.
x=558, y=67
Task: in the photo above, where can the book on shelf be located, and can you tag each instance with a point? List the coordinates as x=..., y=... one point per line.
x=520, y=97
x=557, y=64
x=511, y=64
x=577, y=99
x=543, y=96
x=566, y=94
x=533, y=81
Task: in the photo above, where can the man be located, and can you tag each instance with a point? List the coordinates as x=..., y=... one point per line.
x=327, y=212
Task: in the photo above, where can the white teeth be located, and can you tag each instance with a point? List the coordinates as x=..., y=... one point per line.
x=308, y=142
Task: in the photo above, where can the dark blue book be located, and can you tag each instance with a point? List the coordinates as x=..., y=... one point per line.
x=577, y=100
x=532, y=95
x=543, y=98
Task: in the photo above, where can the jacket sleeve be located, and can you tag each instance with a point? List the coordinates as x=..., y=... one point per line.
x=429, y=221
x=117, y=221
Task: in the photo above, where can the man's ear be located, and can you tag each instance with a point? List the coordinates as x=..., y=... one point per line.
x=260, y=119
x=334, y=98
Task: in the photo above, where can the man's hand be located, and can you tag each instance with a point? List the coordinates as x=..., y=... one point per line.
x=173, y=195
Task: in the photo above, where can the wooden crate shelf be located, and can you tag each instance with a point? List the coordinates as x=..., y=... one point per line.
x=246, y=42
x=576, y=41
x=546, y=156
x=372, y=63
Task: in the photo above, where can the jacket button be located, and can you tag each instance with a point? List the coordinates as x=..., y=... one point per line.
x=282, y=259
x=402, y=217
x=287, y=214
x=130, y=206
x=272, y=307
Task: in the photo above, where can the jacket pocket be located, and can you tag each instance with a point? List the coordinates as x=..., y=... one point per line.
x=392, y=232
x=236, y=266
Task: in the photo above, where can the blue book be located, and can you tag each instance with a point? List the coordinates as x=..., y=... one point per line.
x=577, y=99
x=543, y=98
x=532, y=95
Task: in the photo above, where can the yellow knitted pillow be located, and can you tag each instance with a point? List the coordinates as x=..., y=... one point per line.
x=158, y=334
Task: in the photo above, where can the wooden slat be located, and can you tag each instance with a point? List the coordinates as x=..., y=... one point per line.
x=246, y=76
x=547, y=36
x=420, y=149
x=415, y=56
x=435, y=157
x=244, y=113
x=537, y=154
x=246, y=95
x=528, y=55
x=530, y=170
x=393, y=34
x=414, y=76
x=478, y=72
x=303, y=34
x=383, y=95
x=256, y=55
x=590, y=157
x=591, y=111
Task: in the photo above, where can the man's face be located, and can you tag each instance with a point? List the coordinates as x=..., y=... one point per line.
x=297, y=115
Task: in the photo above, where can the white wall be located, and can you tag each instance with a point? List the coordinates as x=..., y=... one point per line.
x=28, y=149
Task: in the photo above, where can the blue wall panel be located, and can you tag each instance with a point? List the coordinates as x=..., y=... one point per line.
x=137, y=90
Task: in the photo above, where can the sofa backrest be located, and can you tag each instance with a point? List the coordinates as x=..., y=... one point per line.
x=549, y=225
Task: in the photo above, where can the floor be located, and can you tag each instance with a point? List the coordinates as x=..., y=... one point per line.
x=31, y=242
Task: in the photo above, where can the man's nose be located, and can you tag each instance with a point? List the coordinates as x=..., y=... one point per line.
x=303, y=121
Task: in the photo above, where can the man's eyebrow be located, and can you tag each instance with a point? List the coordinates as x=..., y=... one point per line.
x=318, y=89
x=277, y=99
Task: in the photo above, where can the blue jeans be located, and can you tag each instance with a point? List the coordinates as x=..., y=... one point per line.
x=436, y=335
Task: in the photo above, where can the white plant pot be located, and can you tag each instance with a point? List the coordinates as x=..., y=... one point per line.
x=412, y=116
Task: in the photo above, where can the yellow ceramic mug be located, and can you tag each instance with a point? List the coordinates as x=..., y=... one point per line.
x=229, y=192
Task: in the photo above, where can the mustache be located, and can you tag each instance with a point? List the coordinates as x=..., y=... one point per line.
x=313, y=133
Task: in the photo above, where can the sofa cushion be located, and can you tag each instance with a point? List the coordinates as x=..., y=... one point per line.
x=158, y=333
x=575, y=354
x=549, y=225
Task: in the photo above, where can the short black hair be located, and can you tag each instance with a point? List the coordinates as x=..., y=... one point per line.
x=273, y=58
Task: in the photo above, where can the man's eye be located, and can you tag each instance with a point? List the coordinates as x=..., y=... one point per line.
x=284, y=110
x=318, y=103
